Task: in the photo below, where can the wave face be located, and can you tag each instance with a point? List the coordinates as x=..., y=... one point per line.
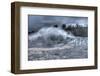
x=50, y=37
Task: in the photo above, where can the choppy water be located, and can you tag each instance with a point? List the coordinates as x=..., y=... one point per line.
x=55, y=43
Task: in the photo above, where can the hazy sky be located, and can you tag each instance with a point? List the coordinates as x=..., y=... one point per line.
x=36, y=22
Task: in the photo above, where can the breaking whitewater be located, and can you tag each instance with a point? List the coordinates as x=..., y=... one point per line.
x=51, y=43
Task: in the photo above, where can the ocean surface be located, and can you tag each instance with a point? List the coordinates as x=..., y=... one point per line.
x=51, y=43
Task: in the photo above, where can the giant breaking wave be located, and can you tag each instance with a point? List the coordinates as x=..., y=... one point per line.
x=50, y=37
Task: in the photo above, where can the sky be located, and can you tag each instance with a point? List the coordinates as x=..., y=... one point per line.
x=36, y=22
